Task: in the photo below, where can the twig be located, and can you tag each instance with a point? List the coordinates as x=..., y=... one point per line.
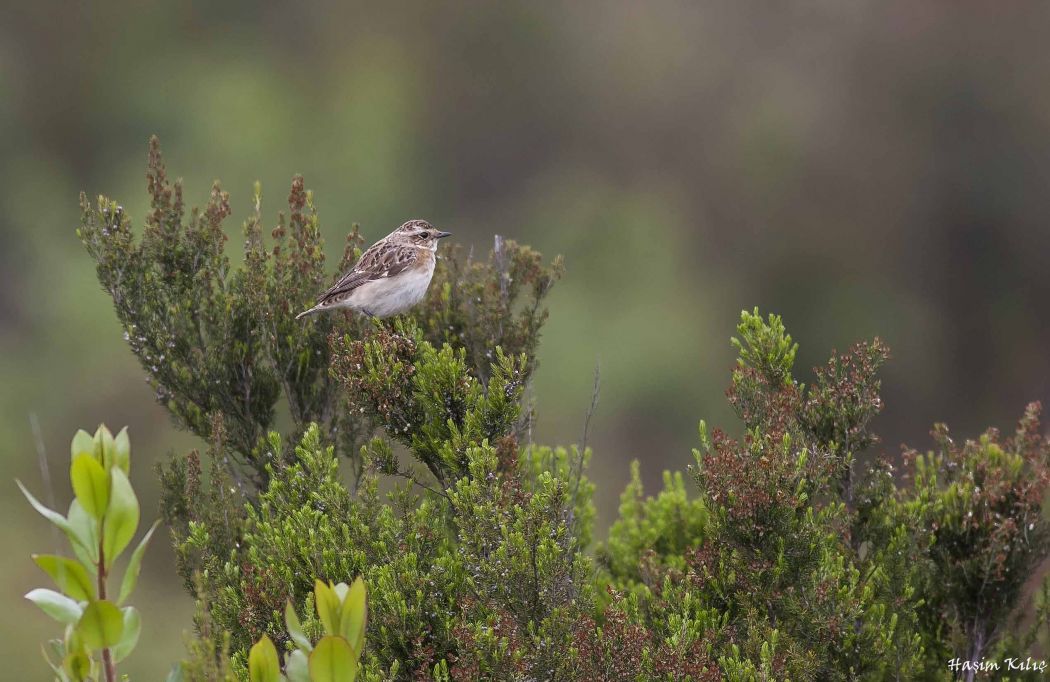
x=410, y=477
x=595, y=391
x=500, y=261
x=577, y=472
x=578, y=464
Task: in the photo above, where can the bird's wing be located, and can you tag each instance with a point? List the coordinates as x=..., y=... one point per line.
x=381, y=260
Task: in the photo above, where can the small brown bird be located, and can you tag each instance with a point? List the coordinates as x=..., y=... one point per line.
x=390, y=277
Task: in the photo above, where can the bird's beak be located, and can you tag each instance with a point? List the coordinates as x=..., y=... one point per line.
x=442, y=235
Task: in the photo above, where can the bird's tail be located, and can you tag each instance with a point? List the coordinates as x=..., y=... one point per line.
x=311, y=311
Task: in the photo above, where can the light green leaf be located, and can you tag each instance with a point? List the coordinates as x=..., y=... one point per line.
x=73, y=640
x=77, y=528
x=58, y=648
x=61, y=654
x=83, y=534
x=58, y=606
x=77, y=666
x=49, y=514
x=122, y=516
x=130, y=637
x=263, y=665
x=104, y=446
x=333, y=660
x=352, y=619
x=131, y=573
x=122, y=451
x=91, y=484
x=70, y=576
x=295, y=628
x=297, y=667
x=82, y=442
x=101, y=625
x=328, y=608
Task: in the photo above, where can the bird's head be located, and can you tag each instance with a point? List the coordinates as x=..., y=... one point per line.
x=419, y=233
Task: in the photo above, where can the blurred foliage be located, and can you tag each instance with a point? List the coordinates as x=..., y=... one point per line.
x=865, y=168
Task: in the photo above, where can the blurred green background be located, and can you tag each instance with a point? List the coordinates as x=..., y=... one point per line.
x=862, y=167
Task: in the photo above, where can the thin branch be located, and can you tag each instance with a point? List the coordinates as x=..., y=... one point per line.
x=108, y=666
x=408, y=475
x=577, y=472
x=577, y=467
x=595, y=391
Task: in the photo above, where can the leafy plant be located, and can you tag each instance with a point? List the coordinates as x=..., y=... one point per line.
x=335, y=657
x=100, y=631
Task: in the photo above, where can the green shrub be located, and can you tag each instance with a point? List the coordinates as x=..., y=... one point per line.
x=791, y=558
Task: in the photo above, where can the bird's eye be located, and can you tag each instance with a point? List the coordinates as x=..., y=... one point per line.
x=424, y=235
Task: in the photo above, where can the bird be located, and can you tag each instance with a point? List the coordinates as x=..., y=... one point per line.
x=390, y=277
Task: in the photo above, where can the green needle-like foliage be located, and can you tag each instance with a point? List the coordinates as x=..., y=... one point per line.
x=784, y=554
x=221, y=345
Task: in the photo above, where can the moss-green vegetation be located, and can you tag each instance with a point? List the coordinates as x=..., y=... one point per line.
x=779, y=556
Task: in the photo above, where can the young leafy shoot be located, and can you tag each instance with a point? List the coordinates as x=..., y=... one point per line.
x=102, y=520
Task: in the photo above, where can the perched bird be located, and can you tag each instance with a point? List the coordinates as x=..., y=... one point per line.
x=390, y=277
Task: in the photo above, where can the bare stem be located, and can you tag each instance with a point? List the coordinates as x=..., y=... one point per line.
x=576, y=468
x=421, y=484
x=107, y=655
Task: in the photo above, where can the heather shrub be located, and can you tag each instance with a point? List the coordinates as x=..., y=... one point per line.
x=783, y=552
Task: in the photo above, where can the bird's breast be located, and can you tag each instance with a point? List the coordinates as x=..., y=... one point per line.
x=392, y=295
